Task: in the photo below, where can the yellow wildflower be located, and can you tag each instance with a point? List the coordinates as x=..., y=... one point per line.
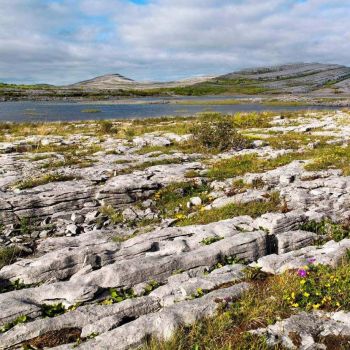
x=316, y=306
x=295, y=305
x=306, y=294
x=180, y=216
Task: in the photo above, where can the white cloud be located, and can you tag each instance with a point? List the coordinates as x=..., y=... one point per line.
x=67, y=40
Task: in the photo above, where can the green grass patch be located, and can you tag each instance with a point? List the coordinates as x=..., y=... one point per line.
x=328, y=229
x=92, y=110
x=149, y=164
x=253, y=209
x=294, y=140
x=334, y=157
x=172, y=200
x=251, y=163
x=45, y=179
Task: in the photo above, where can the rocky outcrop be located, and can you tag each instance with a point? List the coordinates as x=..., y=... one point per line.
x=316, y=330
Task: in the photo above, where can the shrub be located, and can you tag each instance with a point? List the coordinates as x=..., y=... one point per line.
x=213, y=132
x=107, y=127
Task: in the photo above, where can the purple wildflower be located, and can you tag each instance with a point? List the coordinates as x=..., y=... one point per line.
x=311, y=260
x=302, y=273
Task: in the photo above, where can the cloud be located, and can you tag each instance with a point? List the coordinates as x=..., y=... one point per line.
x=64, y=41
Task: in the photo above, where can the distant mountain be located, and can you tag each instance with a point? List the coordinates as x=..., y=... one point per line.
x=109, y=81
x=117, y=81
x=287, y=78
x=297, y=77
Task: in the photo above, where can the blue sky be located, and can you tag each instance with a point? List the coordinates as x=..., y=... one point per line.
x=64, y=41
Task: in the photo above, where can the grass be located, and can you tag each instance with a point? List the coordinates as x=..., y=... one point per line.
x=91, y=111
x=252, y=120
x=294, y=140
x=253, y=209
x=172, y=199
x=8, y=255
x=335, y=157
x=211, y=102
x=115, y=216
x=149, y=164
x=251, y=163
x=68, y=161
x=328, y=229
x=267, y=302
x=44, y=179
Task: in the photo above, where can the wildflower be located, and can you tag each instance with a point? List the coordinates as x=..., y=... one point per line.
x=337, y=303
x=306, y=294
x=302, y=273
x=180, y=216
x=316, y=306
x=302, y=282
x=295, y=305
x=311, y=260
x=293, y=295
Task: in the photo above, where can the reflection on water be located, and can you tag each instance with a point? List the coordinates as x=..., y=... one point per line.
x=59, y=111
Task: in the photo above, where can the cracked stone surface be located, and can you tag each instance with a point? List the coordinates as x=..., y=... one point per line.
x=79, y=255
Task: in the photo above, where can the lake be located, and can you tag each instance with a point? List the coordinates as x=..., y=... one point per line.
x=62, y=111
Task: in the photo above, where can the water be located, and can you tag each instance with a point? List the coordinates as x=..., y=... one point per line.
x=61, y=111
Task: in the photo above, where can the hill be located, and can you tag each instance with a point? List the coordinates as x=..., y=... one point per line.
x=117, y=81
x=299, y=77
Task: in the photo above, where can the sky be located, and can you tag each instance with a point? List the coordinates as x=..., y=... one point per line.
x=65, y=41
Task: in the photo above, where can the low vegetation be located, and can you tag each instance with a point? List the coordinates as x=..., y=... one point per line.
x=335, y=157
x=172, y=200
x=327, y=230
x=250, y=163
x=253, y=209
x=117, y=296
x=42, y=180
x=218, y=134
x=148, y=164
x=8, y=255
x=277, y=297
